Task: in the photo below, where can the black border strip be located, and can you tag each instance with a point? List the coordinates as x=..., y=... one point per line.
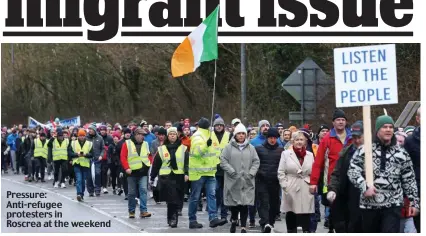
x=42, y=34
x=274, y=34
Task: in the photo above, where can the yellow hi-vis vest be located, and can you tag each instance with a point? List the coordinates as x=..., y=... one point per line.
x=135, y=160
x=165, y=158
x=202, y=161
x=40, y=149
x=77, y=148
x=60, y=151
x=217, y=147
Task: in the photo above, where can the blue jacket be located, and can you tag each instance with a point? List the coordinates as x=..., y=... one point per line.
x=11, y=141
x=149, y=138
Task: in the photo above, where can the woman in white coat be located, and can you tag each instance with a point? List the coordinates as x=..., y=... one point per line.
x=294, y=175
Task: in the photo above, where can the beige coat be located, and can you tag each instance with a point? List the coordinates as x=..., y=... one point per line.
x=294, y=180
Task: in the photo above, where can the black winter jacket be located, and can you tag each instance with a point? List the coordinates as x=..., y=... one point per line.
x=412, y=146
x=269, y=157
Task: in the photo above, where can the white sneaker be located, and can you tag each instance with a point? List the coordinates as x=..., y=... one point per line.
x=56, y=185
x=63, y=185
x=138, y=201
x=105, y=190
x=50, y=177
x=268, y=228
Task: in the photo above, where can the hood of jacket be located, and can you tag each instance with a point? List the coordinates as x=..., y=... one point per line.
x=235, y=144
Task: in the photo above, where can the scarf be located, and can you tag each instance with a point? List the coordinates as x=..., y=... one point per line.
x=172, y=148
x=300, y=153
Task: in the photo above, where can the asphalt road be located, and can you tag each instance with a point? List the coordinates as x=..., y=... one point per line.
x=106, y=208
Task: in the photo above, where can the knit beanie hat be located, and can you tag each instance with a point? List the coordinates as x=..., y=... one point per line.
x=81, y=132
x=383, y=120
x=240, y=128
x=127, y=131
x=203, y=123
x=116, y=134
x=338, y=113
x=305, y=133
x=322, y=127
x=263, y=122
x=273, y=132
x=162, y=131
x=409, y=129
x=180, y=128
x=279, y=125
x=172, y=130
x=93, y=127
x=219, y=121
x=139, y=130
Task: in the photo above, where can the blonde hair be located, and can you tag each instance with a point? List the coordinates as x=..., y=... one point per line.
x=296, y=135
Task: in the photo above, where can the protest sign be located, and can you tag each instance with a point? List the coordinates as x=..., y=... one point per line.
x=366, y=76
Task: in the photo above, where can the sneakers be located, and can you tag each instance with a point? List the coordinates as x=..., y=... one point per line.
x=268, y=228
x=105, y=191
x=252, y=224
x=216, y=222
x=233, y=227
x=131, y=215
x=145, y=214
x=63, y=185
x=119, y=191
x=79, y=198
x=56, y=185
x=50, y=177
x=195, y=225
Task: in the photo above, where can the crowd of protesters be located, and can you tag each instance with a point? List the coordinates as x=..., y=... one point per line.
x=241, y=171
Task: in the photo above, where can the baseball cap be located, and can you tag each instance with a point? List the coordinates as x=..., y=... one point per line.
x=357, y=128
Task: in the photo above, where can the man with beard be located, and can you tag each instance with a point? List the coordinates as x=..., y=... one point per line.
x=381, y=201
x=220, y=138
x=267, y=184
x=342, y=195
x=104, y=162
x=98, y=154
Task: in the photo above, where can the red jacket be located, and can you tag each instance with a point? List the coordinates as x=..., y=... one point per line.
x=333, y=143
x=187, y=142
x=123, y=157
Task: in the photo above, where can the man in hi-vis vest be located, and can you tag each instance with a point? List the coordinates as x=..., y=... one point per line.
x=80, y=152
x=39, y=152
x=58, y=153
x=220, y=138
x=202, y=170
x=134, y=159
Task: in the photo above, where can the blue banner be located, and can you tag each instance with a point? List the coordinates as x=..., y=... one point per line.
x=74, y=121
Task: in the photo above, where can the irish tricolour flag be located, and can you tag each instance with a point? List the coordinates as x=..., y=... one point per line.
x=199, y=46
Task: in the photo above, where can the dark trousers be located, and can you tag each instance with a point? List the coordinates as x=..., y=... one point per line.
x=71, y=172
x=172, y=210
x=59, y=165
x=156, y=194
x=219, y=197
x=40, y=164
x=104, y=173
x=381, y=220
x=267, y=193
x=115, y=172
x=4, y=161
x=243, y=211
x=417, y=223
x=293, y=220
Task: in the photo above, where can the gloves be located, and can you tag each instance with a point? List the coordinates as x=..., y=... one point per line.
x=331, y=196
x=121, y=175
x=209, y=142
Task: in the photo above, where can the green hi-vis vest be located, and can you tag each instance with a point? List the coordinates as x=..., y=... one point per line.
x=217, y=147
x=60, y=151
x=77, y=148
x=201, y=164
x=135, y=160
x=165, y=158
x=40, y=149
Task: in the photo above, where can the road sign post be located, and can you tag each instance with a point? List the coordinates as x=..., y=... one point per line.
x=366, y=76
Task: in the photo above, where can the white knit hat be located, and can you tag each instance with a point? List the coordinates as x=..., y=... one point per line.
x=172, y=130
x=240, y=129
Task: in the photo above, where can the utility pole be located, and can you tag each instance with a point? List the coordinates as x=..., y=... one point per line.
x=243, y=84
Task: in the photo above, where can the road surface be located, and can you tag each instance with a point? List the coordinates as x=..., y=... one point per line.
x=108, y=208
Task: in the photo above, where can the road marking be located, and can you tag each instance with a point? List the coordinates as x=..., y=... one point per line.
x=107, y=204
x=88, y=206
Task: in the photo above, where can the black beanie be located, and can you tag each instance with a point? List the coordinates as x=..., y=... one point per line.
x=204, y=123
x=162, y=131
x=127, y=131
x=273, y=132
x=322, y=127
x=339, y=114
x=179, y=128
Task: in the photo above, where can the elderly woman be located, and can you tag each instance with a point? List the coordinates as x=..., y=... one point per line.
x=171, y=164
x=240, y=163
x=294, y=175
x=400, y=138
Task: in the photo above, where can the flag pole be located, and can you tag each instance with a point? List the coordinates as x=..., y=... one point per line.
x=214, y=91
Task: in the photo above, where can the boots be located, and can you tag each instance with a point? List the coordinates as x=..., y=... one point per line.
x=174, y=220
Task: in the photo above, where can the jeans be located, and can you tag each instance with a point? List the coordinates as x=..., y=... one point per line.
x=97, y=185
x=81, y=174
x=210, y=186
x=219, y=197
x=141, y=184
x=407, y=225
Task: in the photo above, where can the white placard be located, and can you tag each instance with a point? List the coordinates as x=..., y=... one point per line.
x=365, y=76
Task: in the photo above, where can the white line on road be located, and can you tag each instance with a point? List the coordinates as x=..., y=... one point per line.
x=88, y=206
